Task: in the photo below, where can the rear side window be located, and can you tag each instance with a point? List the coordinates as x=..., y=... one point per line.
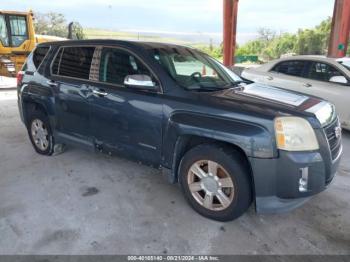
x=39, y=55
x=293, y=68
x=73, y=62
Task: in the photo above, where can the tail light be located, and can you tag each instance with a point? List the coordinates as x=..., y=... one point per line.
x=20, y=75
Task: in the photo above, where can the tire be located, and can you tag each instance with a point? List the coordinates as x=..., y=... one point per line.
x=46, y=143
x=231, y=177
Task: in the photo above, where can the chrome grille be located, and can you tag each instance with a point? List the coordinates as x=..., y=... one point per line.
x=333, y=141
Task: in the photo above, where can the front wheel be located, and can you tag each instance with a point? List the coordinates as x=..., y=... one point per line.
x=216, y=182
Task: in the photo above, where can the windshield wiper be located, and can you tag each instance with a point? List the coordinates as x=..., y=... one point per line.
x=205, y=88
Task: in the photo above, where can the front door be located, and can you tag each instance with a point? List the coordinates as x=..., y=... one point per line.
x=125, y=119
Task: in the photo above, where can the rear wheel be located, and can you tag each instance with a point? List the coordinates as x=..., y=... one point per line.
x=216, y=182
x=40, y=133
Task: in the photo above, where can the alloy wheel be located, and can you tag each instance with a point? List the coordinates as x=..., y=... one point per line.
x=210, y=185
x=40, y=134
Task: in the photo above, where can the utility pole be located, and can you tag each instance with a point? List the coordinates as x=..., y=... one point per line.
x=339, y=38
x=230, y=11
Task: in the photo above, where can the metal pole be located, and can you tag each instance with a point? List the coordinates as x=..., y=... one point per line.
x=230, y=10
x=339, y=38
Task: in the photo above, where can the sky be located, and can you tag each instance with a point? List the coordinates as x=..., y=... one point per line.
x=183, y=17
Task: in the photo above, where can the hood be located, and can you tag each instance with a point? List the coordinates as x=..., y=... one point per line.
x=275, y=101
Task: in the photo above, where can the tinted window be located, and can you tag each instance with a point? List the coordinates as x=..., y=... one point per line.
x=39, y=55
x=3, y=31
x=323, y=72
x=293, y=68
x=18, y=25
x=74, y=62
x=116, y=64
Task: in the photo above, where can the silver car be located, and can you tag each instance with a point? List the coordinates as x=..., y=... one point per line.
x=324, y=77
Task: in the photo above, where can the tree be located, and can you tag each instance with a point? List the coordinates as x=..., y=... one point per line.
x=77, y=31
x=51, y=24
x=270, y=45
x=266, y=34
x=55, y=24
x=314, y=41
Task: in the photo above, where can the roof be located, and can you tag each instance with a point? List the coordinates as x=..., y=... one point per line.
x=143, y=44
x=318, y=58
x=10, y=12
x=308, y=57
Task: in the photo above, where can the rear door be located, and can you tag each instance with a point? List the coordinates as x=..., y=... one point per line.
x=124, y=119
x=69, y=79
x=289, y=75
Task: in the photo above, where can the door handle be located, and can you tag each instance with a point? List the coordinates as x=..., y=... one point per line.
x=99, y=92
x=269, y=78
x=52, y=83
x=307, y=85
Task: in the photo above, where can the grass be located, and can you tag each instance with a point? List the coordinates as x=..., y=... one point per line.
x=91, y=33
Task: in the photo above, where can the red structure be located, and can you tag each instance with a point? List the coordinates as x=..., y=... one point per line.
x=229, y=30
x=338, y=42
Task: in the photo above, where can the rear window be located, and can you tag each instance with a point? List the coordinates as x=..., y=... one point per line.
x=73, y=62
x=39, y=55
x=293, y=68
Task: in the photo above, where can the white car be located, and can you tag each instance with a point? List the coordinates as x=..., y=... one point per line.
x=345, y=61
x=324, y=77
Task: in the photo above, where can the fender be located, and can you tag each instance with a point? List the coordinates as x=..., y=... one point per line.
x=253, y=139
x=36, y=95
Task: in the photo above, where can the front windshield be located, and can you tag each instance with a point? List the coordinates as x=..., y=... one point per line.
x=192, y=69
x=346, y=64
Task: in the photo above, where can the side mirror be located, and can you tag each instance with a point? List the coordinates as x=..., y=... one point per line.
x=139, y=81
x=338, y=79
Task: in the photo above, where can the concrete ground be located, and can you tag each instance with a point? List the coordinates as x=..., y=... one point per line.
x=84, y=203
x=7, y=82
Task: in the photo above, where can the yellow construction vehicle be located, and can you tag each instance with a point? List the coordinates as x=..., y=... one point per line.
x=17, y=40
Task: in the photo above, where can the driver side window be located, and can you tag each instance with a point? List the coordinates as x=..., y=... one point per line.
x=116, y=64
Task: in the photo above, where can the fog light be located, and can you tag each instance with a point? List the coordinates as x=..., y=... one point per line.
x=303, y=181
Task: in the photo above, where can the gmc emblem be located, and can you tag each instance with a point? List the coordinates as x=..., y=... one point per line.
x=337, y=132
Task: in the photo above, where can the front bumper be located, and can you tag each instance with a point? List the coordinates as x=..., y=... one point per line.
x=277, y=180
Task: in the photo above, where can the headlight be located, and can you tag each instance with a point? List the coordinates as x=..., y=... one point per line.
x=295, y=134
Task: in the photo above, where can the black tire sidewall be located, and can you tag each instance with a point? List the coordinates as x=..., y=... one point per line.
x=43, y=117
x=232, y=161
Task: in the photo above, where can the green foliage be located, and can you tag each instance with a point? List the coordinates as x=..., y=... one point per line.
x=55, y=24
x=270, y=45
x=50, y=24
x=77, y=31
x=214, y=51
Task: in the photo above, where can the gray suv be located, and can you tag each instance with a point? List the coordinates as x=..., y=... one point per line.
x=227, y=142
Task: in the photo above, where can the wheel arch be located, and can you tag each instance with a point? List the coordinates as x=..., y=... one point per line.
x=185, y=143
x=31, y=105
